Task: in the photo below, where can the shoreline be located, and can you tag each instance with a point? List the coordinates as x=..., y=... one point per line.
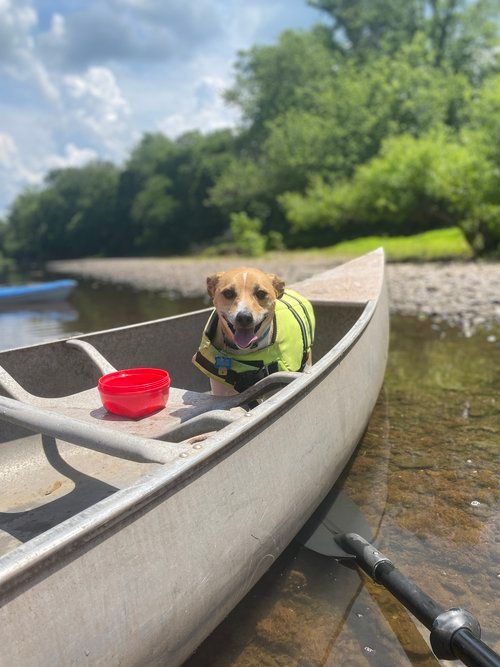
x=463, y=294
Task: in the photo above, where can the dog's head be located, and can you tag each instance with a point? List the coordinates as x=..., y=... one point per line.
x=245, y=300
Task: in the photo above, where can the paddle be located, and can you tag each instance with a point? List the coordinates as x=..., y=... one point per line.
x=338, y=529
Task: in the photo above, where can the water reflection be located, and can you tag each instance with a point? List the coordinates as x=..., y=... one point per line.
x=35, y=323
x=91, y=307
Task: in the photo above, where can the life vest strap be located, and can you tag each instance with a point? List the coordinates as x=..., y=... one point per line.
x=239, y=380
x=249, y=378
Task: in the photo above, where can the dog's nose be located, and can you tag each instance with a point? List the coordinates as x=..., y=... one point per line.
x=244, y=319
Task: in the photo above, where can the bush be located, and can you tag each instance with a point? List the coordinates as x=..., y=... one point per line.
x=275, y=241
x=247, y=236
x=413, y=185
x=482, y=229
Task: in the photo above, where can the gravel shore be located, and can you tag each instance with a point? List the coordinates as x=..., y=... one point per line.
x=466, y=294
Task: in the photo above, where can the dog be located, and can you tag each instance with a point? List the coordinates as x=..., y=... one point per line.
x=257, y=328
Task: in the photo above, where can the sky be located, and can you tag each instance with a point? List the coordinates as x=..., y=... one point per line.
x=84, y=79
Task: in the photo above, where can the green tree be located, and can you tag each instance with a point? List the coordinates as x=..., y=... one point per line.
x=272, y=79
x=153, y=212
x=246, y=234
x=72, y=215
x=458, y=33
x=414, y=184
x=341, y=125
x=164, y=187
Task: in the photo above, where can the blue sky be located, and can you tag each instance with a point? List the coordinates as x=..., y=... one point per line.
x=81, y=79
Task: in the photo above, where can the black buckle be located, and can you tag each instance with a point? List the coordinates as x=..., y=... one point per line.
x=249, y=378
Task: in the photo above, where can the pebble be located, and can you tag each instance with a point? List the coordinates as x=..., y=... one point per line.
x=463, y=294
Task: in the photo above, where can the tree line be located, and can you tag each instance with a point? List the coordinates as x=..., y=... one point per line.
x=384, y=119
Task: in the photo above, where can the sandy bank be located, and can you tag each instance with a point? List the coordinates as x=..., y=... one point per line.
x=467, y=293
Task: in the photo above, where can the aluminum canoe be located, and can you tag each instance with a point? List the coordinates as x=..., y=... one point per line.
x=126, y=542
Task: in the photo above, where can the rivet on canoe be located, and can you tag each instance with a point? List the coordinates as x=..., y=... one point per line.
x=197, y=446
x=184, y=455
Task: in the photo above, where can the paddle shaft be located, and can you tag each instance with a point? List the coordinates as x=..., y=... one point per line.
x=464, y=644
x=455, y=633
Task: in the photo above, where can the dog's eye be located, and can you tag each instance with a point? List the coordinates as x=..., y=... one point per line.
x=260, y=294
x=229, y=293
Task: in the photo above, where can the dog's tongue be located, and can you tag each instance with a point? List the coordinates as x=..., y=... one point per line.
x=244, y=337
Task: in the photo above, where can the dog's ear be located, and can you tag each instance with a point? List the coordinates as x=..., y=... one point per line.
x=278, y=284
x=212, y=284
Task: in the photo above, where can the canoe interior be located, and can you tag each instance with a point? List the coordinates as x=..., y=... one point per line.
x=43, y=481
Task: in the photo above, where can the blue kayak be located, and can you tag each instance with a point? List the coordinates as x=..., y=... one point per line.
x=55, y=290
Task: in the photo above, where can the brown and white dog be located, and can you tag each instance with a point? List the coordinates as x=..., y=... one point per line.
x=258, y=328
x=244, y=299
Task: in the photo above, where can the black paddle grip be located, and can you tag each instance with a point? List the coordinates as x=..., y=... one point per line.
x=472, y=651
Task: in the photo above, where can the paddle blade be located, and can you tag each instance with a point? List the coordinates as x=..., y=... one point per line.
x=336, y=515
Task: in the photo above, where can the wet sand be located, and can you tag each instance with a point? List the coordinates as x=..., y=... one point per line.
x=461, y=293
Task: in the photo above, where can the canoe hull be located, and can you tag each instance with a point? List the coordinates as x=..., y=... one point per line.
x=155, y=580
x=57, y=290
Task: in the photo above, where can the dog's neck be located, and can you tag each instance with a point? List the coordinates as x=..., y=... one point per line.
x=223, y=342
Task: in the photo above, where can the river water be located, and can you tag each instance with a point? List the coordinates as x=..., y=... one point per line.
x=425, y=476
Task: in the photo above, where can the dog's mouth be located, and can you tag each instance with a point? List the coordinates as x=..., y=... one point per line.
x=244, y=337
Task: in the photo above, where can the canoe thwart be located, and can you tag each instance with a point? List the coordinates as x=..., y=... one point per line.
x=94, y=355
x=89, y=435
x=13, y=388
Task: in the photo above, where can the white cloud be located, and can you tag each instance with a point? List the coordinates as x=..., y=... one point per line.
x=58, y=26
x=17, y=172
x=12, y=163
x=201, y=108
x=72, y=157
x=98, y=103
x=17, y=46
x=107, y=32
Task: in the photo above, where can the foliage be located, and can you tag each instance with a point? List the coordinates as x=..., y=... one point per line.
x=458, y=33
x=247, y=236
x=414, y=184
x=153, y=209
x=72, y=216
x=244, y=237
x=163, y=191
x=341, y=125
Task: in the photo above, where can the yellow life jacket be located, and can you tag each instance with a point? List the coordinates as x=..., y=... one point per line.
x=292, y=339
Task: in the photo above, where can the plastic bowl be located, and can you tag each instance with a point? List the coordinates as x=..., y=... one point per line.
x=134, y=392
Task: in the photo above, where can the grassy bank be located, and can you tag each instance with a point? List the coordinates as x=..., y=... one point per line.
x=438, y=244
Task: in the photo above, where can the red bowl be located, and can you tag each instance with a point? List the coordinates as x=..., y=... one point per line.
x=134, y=392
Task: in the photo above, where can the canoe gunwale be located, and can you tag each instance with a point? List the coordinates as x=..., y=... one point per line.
x=28, y=559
